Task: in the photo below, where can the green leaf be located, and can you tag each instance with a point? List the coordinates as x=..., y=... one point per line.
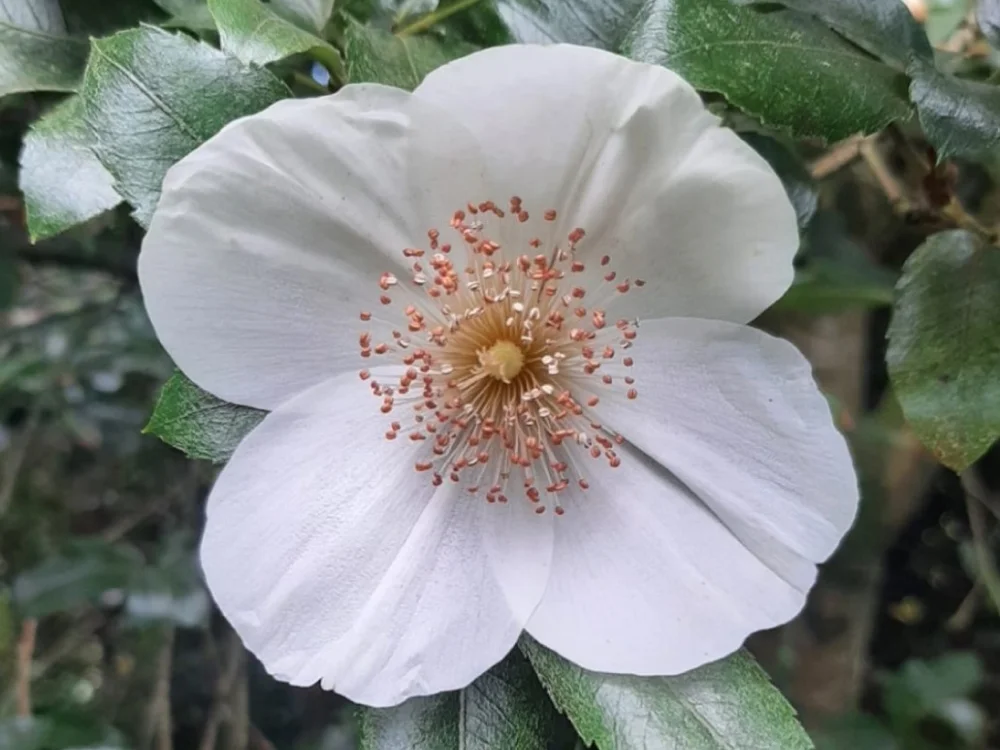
x=253, y=33
x=802, y=190
x=835, y=273
x=588, y=22
x=169, y=590
x=87, y=18
x=855, y=732
x=81, y=574
x=189, y=14
x=920, y=687
x=885, y=28
x=505, y=709
x=944, y=353
x=151, y=97
x=960, y=118
x=198, y=423
x=728, y=705
x=35, y=52
x=309, y=14
x=376, y=56
x=784, y=67
x=63, y=182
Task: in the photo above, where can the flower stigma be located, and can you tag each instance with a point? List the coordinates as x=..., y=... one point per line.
x=504, y=349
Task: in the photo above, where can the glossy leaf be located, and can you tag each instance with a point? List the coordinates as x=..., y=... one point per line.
x=253, y=33
x=588, y=22
x=150, y=97
x=63, y=182
x=505, y=709
x=960, y=118
x=36, y=53
x=786, y=68
x=199, y=424
x=376, y=56
x=885, y=28
x=944, y=353
x=728, y=705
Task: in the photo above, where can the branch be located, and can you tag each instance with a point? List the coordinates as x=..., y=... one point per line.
x=25, y=651
x=976, y=494
x=230, y=669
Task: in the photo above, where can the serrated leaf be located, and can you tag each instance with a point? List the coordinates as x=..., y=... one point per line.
x=150, y=97
x=885, y=28
x=80, y=574
x=309, y=14
x=63, y=182
x=784, y=67
x=36, y=54
x=376, y=56
x=944, y=352
x=728, y=705
x=505, y=709
x=960, y=118
x=253, y=33
x=199, y=424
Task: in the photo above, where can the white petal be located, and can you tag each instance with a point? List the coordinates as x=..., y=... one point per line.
x=337, y=562
x=646, y=580
x=270, y=239
x=735, y=415
x=627, y=152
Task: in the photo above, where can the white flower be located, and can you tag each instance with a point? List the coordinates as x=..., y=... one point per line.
x=540, y=263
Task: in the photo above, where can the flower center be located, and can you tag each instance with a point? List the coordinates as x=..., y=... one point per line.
x=503, y=360
x=505, y=350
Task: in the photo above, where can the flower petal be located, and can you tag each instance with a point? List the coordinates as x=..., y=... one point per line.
x=628, y=152
x=645, y=579
x=336, y=562
x=735, y=415
x=271, y=238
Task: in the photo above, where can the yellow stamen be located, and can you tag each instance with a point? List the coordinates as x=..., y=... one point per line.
x=503, y=360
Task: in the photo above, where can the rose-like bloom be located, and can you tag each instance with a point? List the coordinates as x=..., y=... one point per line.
x=499, y=323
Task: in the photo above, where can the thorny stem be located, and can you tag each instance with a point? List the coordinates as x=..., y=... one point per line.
x=25, y=651
x=425, y=22
x=975, y=491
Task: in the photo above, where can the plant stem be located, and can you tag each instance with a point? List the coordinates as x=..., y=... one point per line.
x=425, y=22
x=988, y=574
x=25, y=652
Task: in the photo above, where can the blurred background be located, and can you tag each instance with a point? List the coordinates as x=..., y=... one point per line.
x=108, y=635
